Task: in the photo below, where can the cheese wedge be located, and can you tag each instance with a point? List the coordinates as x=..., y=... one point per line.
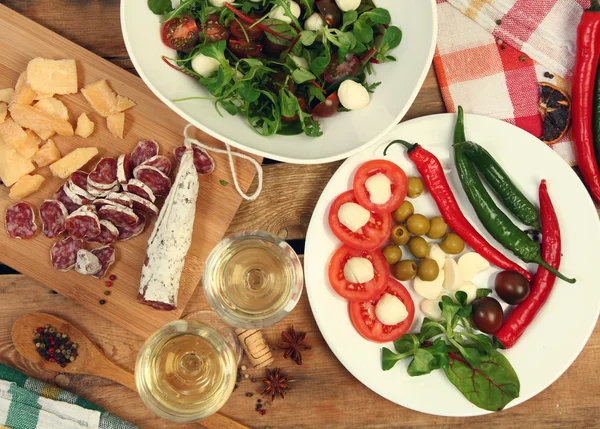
x=38, y=120
x=52, y=76
x=102, y=99
x=23, y=94
x=6, y=94
x=73, y=161
x=13, y=166
x=48, y=154
x=54, y=107
x=124, y=103
x=3, y=111
x=116, y=124
x=25, y=186
x=33, y=142
x=85, y=127
x=14, y=136
x=44, y=134
x=41, y=96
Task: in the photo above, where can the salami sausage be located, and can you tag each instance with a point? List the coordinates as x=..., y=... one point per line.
x=120, y=216
x=101, y=193
x=20, y=221
x=154, y=179
x=62, y=196
x=106, y=256
x=129, y=232
x=87, y=263
x=124, y=168
x=139, y=188
x=104, y=175
x=108, y=234
x=79, y=178
x=144, y=150
x=142, y=204
x=75, y=197
x=204, y=163
x=63, y=253
x=53, y=214
x=120, y=198
x=83, y=222
x=160, y=162
x=170, y=241
x=80, y=192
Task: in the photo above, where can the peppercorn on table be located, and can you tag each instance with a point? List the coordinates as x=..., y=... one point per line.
x=323, y=394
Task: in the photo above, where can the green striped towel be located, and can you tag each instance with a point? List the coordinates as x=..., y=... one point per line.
x=27, y=403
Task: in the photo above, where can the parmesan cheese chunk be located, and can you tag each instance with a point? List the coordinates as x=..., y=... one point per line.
x=32, y=144
x=359, y=270
x=41, y=96
x=44, y=134
x=53, y=107
x=13, y=135
x=116, y=124
x=25, y=186
x=6, y=94
x=48, y=154
x=85, y=127
x=39, y=121
x=124, y=103
x=102, y=99
x=52, y=76
x=3, y=111
x=73, y=161
x=390, y=310
x=353, y=216
x=23, y=94
x=13, y=166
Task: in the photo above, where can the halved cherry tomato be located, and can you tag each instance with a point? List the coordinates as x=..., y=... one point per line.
x=362, y=315
x=396, y=175
x=330, y=11
x=369, y=237
x=355, y=292
x=329, y=107
x=278, y=81
x=274, y=49
x=243, y=48
x=302, y=103
x=253, y=33
x=214, y=30
x=180, y=33
x=336, y=71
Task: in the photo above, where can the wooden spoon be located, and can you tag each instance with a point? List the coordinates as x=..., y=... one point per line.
x=90, y=359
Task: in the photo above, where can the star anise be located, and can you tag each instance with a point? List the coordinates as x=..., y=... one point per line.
x=275, y=383
x=293, y=344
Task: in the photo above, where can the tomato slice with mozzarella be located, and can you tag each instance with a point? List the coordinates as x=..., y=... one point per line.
x=180, y=33
x=362, y=315
x=358, y=292
x=380, y=186
x=371, y=236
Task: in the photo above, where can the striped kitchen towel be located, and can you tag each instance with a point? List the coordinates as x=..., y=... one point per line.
x=492, y=54
x=27, y=403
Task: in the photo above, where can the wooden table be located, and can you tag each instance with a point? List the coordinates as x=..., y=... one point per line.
x=324, y=395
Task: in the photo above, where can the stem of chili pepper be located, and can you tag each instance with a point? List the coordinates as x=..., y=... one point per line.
x=522, y=316
x=249, y=20
x=432, y=172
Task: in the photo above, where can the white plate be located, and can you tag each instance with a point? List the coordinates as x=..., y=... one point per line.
x=344, y=134
x=562, y=327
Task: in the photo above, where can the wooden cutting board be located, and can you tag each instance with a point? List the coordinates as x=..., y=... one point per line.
x=22, y=40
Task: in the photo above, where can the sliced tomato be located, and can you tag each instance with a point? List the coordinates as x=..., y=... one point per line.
x=370, y=237
x=396, y=175
x=244, y=49
x=358, y=292
x=180, y=33
x=248, y=30
x=362, y=315
x=329, y=107
x=336, y=71
x=214, y=30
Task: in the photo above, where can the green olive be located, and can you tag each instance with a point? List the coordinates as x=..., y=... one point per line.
x=392, y=254
x=400, y=235
x=438, y=229
x=418, y=224
x=418, y=247
x=402, y=213
x=452, y=244
x=415, y=187
x=428, y=270
x=405, y=270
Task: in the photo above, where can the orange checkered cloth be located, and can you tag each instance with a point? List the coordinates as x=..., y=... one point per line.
x=491, y=56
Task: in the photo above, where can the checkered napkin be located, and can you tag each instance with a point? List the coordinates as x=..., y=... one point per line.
x=492, y=54
x=27, y=403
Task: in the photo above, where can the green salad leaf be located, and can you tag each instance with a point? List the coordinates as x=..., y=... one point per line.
x=160, y=7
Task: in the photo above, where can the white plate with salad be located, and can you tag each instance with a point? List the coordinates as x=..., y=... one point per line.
x=548, y=345
x=303, y=81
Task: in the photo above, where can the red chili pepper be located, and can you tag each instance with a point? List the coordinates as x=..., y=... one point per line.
x=522, y=316
x=431, y=170
x=584, y=78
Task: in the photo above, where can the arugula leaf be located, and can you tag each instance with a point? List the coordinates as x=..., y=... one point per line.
x=286, y=7
x=288, y=103
x=248, y=92
x=377, y=16
x=320, y=63
x=308, y=7
x=302, y=75
x=160, y=7
x=184, y=7
x=314, y=92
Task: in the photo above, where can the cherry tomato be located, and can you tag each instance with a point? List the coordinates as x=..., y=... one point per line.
x=362, y=315
x=369, y=237
x=214, y=30
x=253, y=33
x=512, y=287
x=302, y=103
x=355, y=292
x=329, y=107
x=330, y=11
x=273, y=48
x=336, y=71
x=487, y=315
x=243, y=48
x=278, y=81
x=180, y=33
x=396, y=175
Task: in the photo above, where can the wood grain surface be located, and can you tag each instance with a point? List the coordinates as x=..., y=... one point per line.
x=20, y=41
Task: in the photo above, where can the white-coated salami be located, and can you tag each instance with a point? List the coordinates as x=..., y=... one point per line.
x=101, y=193
x=160, y=162
x=75, y=194
x=83, y=223
x=144, y=150
x=124, y=168
x=142, y=204
x=137, y=187
x=205, y=164
x=120, y=198
x=104, y=175
x=129, y=232
x=154, y=179
x=87, y=263
x=63, y=253
x=120, y=216
x=53, y=214
x=20, y=221
x=170, y=241
x=108, y=233
x=61, y=196
x=106, y=256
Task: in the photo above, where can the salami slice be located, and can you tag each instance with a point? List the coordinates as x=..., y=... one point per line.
x=79, y=178
x=144, y=150
x=87, y=263
x=53, y=214
x=160, y=162
x=120, y=198
x=129, y=232
x=124, y=168
x=108, y=234
x=83, y=222
x=101, y=193
x=120, y=216
x=74, y=196
x=204, y=163
x=154, y=179
x=142, y=204
x=104, y=175
x=63, y=253
x=106, y=256
x=137, y=187
x=62, y=196
x=20, y=221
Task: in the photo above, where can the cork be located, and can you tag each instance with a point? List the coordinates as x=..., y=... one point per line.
x=256, y=347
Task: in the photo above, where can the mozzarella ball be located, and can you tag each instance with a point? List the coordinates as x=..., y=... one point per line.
x=279, y=13
x=431, y=308
x=353, y=95
x=315, y=22
x=205, y=66
x=300, y=62
x=219, y=3
x=346, y=5
x=359, y=270
x=390, y=310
